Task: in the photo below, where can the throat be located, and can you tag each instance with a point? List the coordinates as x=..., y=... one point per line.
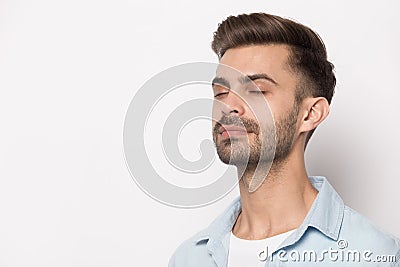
x=279, y=205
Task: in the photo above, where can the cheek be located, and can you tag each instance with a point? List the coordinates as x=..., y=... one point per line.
x=217, y=111
x=281, y=107
x=261, y=111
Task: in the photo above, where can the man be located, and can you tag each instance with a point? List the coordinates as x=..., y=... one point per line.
x=283, y=217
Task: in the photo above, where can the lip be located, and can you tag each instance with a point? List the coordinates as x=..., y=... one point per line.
x=232, y=130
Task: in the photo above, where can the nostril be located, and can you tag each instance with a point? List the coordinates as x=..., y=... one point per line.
x=234, y=111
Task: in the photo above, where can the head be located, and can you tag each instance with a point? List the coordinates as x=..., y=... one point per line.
x=287, y=63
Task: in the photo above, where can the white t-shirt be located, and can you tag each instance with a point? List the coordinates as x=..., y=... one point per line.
x=251, y=253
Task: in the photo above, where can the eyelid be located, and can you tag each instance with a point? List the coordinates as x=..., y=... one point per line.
x=220, y=90
x=262, y=85
x=217, y=85
x=257, y=88
x=220, y=93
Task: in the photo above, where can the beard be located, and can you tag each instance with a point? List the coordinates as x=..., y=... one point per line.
x=271, y=144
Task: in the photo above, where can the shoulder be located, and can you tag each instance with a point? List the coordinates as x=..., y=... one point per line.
x=194, y=248
x=360, y=232
x=197, y=250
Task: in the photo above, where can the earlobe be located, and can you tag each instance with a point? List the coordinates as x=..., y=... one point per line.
x=316, y=110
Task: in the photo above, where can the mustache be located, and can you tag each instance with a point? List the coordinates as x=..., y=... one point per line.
x=233, y=120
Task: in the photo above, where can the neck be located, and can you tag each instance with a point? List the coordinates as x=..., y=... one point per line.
x=279, y=204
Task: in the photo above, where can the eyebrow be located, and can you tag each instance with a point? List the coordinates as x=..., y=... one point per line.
x=220, y=81
x=244, y=79
x=258, y=76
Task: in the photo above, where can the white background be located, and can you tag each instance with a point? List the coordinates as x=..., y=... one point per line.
x=68, y=71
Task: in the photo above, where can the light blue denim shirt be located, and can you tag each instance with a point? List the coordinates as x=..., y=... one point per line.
x=331, y=234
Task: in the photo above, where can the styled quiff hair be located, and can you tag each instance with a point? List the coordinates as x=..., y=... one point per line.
x=307, y=52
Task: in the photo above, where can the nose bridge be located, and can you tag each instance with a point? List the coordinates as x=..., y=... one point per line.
x=234, y=103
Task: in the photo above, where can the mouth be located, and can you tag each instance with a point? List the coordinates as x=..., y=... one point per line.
x=227, y=131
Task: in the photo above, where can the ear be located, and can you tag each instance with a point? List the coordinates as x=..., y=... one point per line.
x=314, y=111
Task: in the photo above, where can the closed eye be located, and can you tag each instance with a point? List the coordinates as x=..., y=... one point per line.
x=220, y=94
x=257, y=92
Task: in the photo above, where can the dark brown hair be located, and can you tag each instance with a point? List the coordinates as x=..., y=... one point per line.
x=307, y=57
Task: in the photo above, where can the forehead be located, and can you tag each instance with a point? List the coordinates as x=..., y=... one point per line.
x=254, y=59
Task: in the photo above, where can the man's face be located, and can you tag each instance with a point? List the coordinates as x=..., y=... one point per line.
x=254, y=112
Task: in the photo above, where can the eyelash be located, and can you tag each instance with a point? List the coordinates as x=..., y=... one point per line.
x=254, y=92
x=258, y=92
x=219, y=94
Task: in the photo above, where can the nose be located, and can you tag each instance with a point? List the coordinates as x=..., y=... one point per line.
x=233, y=104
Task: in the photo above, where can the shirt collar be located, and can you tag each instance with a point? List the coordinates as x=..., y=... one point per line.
x=325, y=215
x=223, y=224
x=327, y=211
